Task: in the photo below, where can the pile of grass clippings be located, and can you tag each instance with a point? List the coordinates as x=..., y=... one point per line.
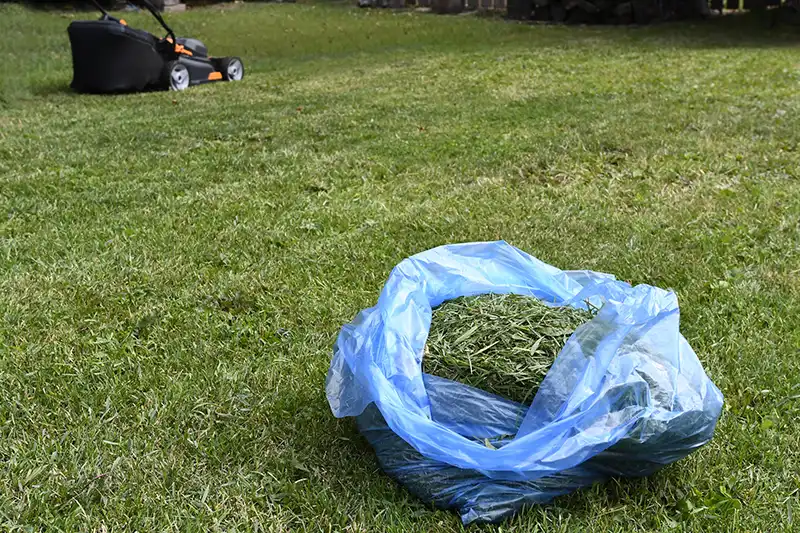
x=501, y=343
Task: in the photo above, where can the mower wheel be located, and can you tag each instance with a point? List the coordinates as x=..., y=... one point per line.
x=176, y=76
x=231, y=68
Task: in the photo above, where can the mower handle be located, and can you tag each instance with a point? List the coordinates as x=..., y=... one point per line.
x=153, y=11
x=157, y=15
x=102, y=10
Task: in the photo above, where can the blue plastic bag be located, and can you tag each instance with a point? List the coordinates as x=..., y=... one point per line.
x=626, y=395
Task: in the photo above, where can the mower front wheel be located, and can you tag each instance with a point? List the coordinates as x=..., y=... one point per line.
x=176, y=76
x=231, y=68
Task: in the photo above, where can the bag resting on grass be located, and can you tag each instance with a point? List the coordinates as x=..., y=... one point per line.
x=625, y=397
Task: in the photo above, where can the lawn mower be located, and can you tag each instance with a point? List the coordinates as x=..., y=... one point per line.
x=109, y=56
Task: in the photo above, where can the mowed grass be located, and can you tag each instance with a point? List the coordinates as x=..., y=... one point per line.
x=174, y=268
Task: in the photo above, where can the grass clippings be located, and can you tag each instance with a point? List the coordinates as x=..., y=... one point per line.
x=501, y=343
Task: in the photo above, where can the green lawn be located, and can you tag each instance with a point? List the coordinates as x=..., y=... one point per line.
x=174, y=268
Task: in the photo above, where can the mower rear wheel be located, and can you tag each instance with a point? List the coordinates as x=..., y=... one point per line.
x=176, y=76
x=231, y=68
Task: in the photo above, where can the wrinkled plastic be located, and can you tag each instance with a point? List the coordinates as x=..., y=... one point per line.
x=626, y=395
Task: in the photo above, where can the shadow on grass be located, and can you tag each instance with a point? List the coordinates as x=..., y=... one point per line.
x=764, y=29
x=635, y=497
x=53, y=89
x=745, y=30
x=63, y=89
